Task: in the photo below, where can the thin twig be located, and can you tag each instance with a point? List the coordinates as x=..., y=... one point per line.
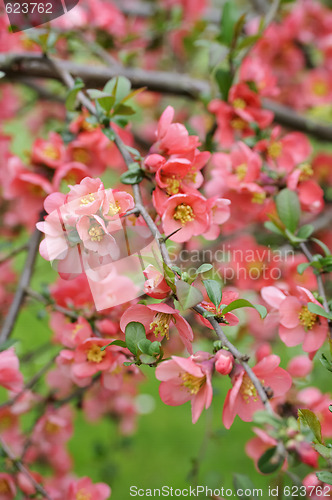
x=21, y=288
x=21, y=468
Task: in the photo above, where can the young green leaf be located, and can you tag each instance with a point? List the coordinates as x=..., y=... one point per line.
x=308, y=418
x=288, y=208
x=119, y=343
x=132, y=177
x=72, y=94
x=239, y=303
x=305, y=231
x=187, y=295
x=213, y=289
x=324, y=476
x=316, y=309
x=134, y=333
x=270, y=461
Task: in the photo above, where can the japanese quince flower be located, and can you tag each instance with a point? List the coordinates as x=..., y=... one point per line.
x=298, y=325
x=10, y=375
x=158, y=319
x=84, y=489
x=243, y=400
x=187, y=379
x=155, y=285
x=7, y=487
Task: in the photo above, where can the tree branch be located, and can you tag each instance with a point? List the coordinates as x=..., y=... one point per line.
x=32, y=65
x=22, y=285
x=21, y=468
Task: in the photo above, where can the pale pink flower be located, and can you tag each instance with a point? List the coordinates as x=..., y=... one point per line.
x=187, y=379
x=7, y=487
x=84, y=489
x=10, y=376
x=155, y=285
x=243, y=399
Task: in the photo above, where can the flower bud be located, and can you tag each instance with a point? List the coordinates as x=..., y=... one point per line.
x=224, y=362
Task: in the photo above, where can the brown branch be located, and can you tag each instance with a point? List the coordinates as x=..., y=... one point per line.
x=13, y=253
x=21, y=468
x=34, y=65
x=21, y=287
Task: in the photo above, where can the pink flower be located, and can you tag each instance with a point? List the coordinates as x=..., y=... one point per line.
x=224, y=362
x=255, y=70
x=95, y=236
x=219, y=212
x=258, y=445
x=158, y=319
x=286, y=152
x=187, y=379
x=314, y=400
x=187, y=212
x=228, y=296
x=117, y=203
x=155, y=285
x=300, y=366
x=315, y=487
x=84, y=489
x=10, y=375
x=87, y=197
x=7, y=487
x=89, y=359
x=243, y=400
x=173, y=138
x=49, y=152
x=297, y=324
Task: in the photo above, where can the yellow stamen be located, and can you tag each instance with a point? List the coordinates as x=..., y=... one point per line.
x=275, y=150
x=320, y=88
x=96, y=233
x=238, y=124
x=241, y=171
x=258, y=198
x=83, y=495
x=114, y=209
x=184, y=213
x=255, y=268
x=160, y=324
x=306, y=171
x=81, y=155
x=4, y=486
x=191, y=383
x=51, y=152
x=239, y=103
x=248, y=390
x=173, y=185
x=95, y=354
x=86, y=200
x=51, y=427
x=87, y=126
x=307, y=318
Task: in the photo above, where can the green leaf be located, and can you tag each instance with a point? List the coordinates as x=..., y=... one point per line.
x=270, y=461
x=273, y=228
x=106, y=103
x=324, y=476
x=248, y=41
x=228, y=21
x=204, y=268
x=132, y=177
x=239, y=303
x=213, y=289
x=316, y=309
x=119, y=343
x=188, y=296
x=146, y=359
x=224, y=80
x=134, y=333
x=303, y=266
x=72, y=94
x=325, y=362
x=305, y=231
x=263, y=417
x=322, y=245
x=109, y=133
x=323, y=450
x=308, y=418
x=144, y=345
x=154, y=348
x=123, y=110
x=119, y=87
x=288, y=208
